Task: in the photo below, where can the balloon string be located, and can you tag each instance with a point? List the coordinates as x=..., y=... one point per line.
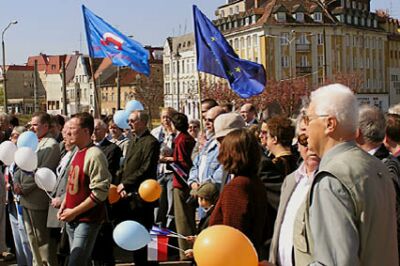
x=171, y=246
x=40, y=183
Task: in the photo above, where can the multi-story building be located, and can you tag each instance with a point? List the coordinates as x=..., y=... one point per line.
x=20, y=89
x=317, y=40
x=180, y=75
x=133, y=85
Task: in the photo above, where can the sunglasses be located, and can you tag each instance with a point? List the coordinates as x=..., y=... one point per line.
x=302, y=140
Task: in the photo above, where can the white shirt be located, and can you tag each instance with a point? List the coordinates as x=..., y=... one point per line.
x=297, y=198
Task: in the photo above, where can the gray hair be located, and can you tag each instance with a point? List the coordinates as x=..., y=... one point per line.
x=372, y=124
x=143, y=116
x=394, y=109
x=5, y=116
x=339, y=101
x=101, y=123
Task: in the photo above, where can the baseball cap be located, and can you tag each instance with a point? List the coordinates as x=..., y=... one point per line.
x=208, y=190
x=226, y=123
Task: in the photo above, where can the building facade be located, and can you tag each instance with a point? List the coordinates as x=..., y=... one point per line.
x=318, y=40
x=180, y=75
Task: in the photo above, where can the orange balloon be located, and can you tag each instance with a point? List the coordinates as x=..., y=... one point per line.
x=150, y=190
x=113, y=195
x=224, y=245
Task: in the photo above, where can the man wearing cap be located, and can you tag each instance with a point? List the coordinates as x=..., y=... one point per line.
x=224, y=124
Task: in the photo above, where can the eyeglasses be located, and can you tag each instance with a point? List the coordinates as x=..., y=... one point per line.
x=132, y=121
x=308, y=118
x=302, y=139
x=209, y=120
x=193, y=127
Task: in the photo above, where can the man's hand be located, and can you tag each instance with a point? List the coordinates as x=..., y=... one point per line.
x=264, y=263
x=121, y=191
x=67, y=215
x=56, y=202
x=195, y=186
x=17, y=189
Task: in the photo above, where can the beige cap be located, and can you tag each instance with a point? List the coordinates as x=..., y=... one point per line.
x=226, y=123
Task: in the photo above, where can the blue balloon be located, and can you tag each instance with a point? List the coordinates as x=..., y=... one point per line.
x=28, y=139
x=134, y=105
x=121, y=119
x=131, y=235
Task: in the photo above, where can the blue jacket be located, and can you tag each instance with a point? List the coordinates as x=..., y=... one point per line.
x=213, y=171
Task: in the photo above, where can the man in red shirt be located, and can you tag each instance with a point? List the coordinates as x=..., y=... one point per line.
x=88, y=182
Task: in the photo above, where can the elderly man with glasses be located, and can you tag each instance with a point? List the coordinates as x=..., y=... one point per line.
x=349, y=215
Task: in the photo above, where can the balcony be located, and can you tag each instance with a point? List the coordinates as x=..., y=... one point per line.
x=303, y=47
x=301, y=70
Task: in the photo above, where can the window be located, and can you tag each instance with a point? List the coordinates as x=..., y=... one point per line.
x=320, y=38
x=281, y=16
x=255, y=40
x=222, y=13
x=354, y=4
x=349, y=19
x=166, y=69
x=362, y=21
x=231, y=11
x=356, y=20
x=248, y=42
x=300, y=16
x=237, y=9
x=368, y=22
x=236, y=42
x=318, y=17
x=242, y=43
x=303, y=61
x=285, y=61
x=247, y=21
x=320, y=60
x=302, y=39
x=284, y=39
x=348, y=3
x=253, y=19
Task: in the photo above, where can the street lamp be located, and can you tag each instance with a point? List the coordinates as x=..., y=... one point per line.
x=177, y=58
x=4, y=63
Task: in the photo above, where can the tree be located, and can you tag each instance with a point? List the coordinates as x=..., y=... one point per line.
x=353, y=80
x=287, y=94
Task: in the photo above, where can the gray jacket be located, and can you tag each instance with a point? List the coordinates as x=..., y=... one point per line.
x=349, y=215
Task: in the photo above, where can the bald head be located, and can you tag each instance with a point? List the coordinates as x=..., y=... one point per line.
x=248, y=112
x=211, y=115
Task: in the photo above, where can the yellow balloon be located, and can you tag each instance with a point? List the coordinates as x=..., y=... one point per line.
x=221, y=245
x=150, y=190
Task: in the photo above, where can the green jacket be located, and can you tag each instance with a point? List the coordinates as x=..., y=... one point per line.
x=48, y=154
x=349, y=217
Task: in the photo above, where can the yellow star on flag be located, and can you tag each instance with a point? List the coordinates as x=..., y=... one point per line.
x=229, y=73
x=213, y=39
x=237, y=69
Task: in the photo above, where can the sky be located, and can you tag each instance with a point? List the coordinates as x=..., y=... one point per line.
x=56, y=26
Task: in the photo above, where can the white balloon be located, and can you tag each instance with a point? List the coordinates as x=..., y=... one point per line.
x=45, y=179
x=7, y=152
x=26, y=159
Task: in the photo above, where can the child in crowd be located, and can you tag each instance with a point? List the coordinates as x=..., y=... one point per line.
x=207, y=195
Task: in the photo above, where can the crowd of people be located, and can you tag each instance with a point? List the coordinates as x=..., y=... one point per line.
x=319, y=189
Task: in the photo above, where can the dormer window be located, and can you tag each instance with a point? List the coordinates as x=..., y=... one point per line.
x=349, y=19
x=354, y=4
x=253, y=19
x=355, y=20
x=300, y=16
x=280, y=16
x=317, y=17
x=247, y=21
x=222, y=13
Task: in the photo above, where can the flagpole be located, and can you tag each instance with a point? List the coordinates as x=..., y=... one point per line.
x=97, y=109
x=199, y=90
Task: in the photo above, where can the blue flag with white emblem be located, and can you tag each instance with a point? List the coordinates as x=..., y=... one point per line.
x=105, y=41
x=216, y=56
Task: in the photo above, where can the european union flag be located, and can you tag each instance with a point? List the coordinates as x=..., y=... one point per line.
x=216, y=56
x=106, y=41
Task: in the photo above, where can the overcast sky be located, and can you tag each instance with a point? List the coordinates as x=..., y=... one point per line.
x=56, y=26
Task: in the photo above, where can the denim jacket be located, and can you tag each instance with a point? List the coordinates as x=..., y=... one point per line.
x=213, y=171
